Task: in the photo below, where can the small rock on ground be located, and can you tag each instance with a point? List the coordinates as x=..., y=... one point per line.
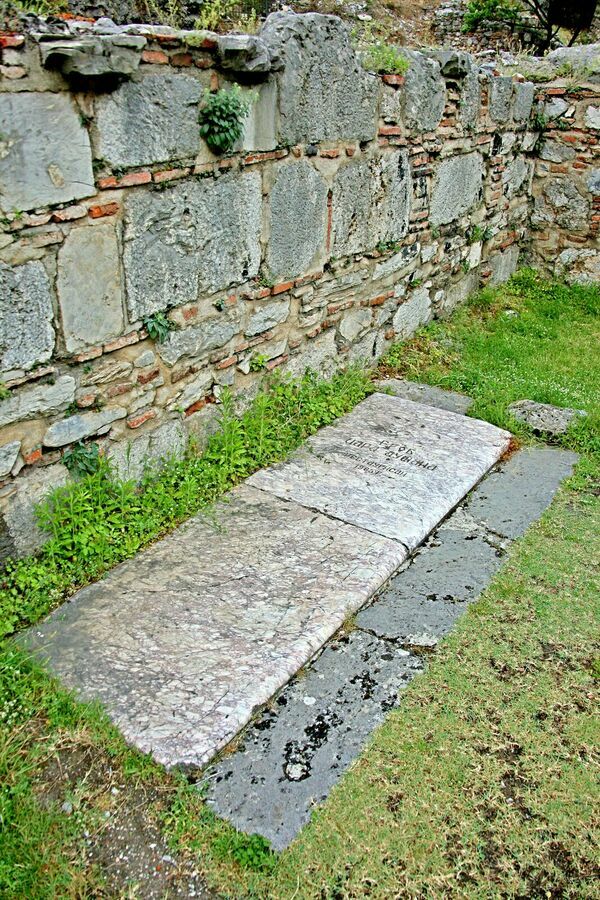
x=544, y=418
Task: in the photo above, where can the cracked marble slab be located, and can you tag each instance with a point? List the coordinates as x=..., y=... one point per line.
x=391, y=466
x=183, y=642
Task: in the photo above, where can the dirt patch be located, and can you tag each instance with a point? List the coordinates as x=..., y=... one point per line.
x=121, y=835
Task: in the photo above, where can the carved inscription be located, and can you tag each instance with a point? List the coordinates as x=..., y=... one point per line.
x=383, y=457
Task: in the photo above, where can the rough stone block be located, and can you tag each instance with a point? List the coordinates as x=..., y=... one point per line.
x=18, y=521
x=29, y=402
x=131, y=459
x=26, y=331
x=74, y=428
x=197, y=340
x=370, y=202
x=424, y=94
x=470, y=96
x=194, y=237
x=45, y=154
x=260, y=131
x=8, y=457
x=298, y=215
x=414, y=312
x=516, y=175
x=504, y=264
x=427, y=394
x=354, y=322
x=148, y=121
x=561, y=204
x=592, y=117
x=89, y=286
x=458, y=186
x=579, y=266
x=501, y=91
x=543, y=418
x=523, y=96
x=268, y=317
x=324, y=92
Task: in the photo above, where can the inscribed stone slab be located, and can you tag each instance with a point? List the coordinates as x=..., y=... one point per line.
x=183, y=642
x=391, y=466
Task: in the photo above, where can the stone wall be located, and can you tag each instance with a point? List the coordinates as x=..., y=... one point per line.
x=355, y=209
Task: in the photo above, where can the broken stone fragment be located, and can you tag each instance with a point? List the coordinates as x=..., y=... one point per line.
x=246, y=53
x=544, y=418
x=95, y=56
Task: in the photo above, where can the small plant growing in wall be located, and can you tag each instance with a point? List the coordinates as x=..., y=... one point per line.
x=82, y=459
x=478, y=233
x=385, y=59
x=158, y=327
x=258, y=362
x=4, y=391
x=222, y=118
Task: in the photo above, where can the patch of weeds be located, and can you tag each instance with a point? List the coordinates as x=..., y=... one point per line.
x=385, y=59
x=82, y=459
x=98, y=521
x=158, y=326
x=388, y=246
x=258, y=362
x=222, y=117
x=478, y=233
x=249, y=851
x=265, y=279
x=4, y=391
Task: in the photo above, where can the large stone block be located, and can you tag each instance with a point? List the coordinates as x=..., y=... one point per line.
x=524, y=93
x=500, y=90
x=19, y=530
x=199, y=339
x=414, y=312
x=77, y=427
x=324, y=93
x=561, y=204
x=199, y=236
x=89, y=286
x=37, y=400
x=26, y=332
x=149, y=121
x=470, y=96
x=45, y=154
x=424, y=95
x=371, y=203
x=457, y=188
x=298, y=213
x=503, y=265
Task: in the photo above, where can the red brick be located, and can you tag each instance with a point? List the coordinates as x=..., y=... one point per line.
x=125, y=341
x=282, y=287
x=87, y=400
x=157, y=57
x=195, y=407
x=145, y=377
x=306, y=279
x=209, y=44
x=182, y=59
x=103, y=209
x=386, y=130
x=314, y=332
x=394, y=80
x=117, y=389
x=130, y=180
x=262, y=157
x=86, y=355
x=329, y=154
x=226, y=363
x=350, y=151
x=273, y=363
x=11, y=40
x=555, y=92
x=170, y=175
x=136, y=421
x=33, y=457
x=189, y=313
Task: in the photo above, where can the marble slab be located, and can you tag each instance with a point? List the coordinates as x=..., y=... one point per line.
x=392, y=466
x=184, y=642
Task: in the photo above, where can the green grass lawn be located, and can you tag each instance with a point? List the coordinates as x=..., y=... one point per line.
x=482, y=784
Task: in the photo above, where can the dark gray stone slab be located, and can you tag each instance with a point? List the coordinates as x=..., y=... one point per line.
x=291, y=757
x=422, y=603
x=515, y=495
x=427, y=394
x=392, y=466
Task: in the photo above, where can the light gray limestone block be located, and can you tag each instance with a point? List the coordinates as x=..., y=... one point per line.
x=501, y=91
x=268, y=317
x=324, y=92
x=424, y=93
x=457, y=187
x=195, y=237
x=89, y=286
x=517, y=493
x=370, y=202
x=503, y=265
x=199, y=339
x=412, y=313
x=427, y=394
x=26, y=314
x=523, y=96
x=579, y=266
x=592, y=117
x=148, y=121
x=391, y=466
x=545, y=418
x=45, y=154
x=75, y=428
x=8, y=457
x=293, y=755
x=35, y=400
x=20, y=532
x=182, y=643
x=298, y=219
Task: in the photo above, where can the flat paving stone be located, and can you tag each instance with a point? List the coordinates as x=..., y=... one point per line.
x=293, y=755
x=427, y=393
x=391, y=466
x=518, y=492
x=184, y=642
x=423, y=602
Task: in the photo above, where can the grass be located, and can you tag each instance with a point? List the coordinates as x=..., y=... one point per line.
x=482, y=783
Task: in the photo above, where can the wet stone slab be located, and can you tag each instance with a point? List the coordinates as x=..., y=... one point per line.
x=391, y=466
x=292, y=756
x=184, y=642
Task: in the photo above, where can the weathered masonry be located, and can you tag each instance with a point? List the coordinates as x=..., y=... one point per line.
x=355, y=208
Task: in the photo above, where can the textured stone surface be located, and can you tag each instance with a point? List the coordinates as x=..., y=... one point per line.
x=427, y=394
x=8, y=457
x=515, y=495
x=470, y=96
x=523, y=96
x=457, y=187
x=89, y=286
x=543, y=417
x=298, y=749
x=194, y=237
x=581, y=266
x=324, y=92
x=561, y=204
x=515, y=176
x=148, y=121
x=392, y=466
x=199, y=339
x=130, y=459
x=38, y=399
x=74, y=428
x=370, y=202
x=500, y=93
x=424, y=93
x=298, y=215
x=45, y=154
x=19, y=530
x=412, y=313
x=592, y=117
x=95, y=56
x=182, y=643
x=268, y=317
x=26, y=330
x=503, y=265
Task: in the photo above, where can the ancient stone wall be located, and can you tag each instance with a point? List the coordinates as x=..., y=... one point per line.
x=355, y=209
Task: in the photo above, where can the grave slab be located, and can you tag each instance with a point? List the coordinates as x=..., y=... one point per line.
x=292, y=756
x=391, y=466
x=427, y=394
x=182, y=643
